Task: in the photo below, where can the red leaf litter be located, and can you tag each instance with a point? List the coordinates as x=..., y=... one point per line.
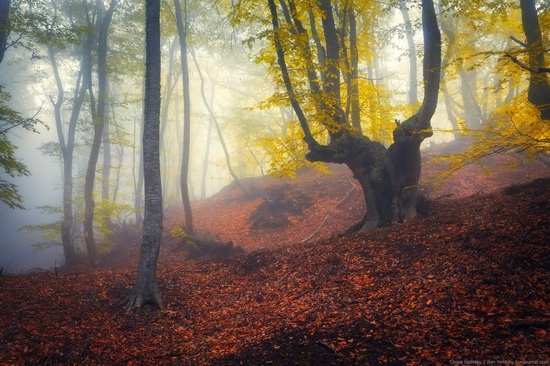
x=465, y=284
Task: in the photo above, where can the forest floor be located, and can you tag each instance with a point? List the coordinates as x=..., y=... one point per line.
x=466, y=283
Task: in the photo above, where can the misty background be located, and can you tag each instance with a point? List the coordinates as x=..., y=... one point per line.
x=233, y=83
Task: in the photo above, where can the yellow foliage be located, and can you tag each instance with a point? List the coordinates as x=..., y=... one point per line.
x=287, y=152
x=514, y=128
x=179, y=233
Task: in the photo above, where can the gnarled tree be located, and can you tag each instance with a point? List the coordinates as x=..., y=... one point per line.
x=388, y=177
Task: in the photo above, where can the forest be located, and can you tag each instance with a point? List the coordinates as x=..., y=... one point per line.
x=285, y=182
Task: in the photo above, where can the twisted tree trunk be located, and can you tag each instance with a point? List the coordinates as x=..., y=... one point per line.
x=389, y=178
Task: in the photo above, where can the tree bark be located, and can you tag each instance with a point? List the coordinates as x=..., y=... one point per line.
x=170, y=85
x=184, y=178
x=205, y=160
x=118, y=166
x=146, y=288
x=67, y=143
x=4, y=26
x=539, y=87
x=99, y=118
x=468, y=88
x=448, y=30
x=404, y=154
x=354, y=73
x=321, y=52
x=413, y=79
x=138, y=181
x=107, y=163
x=67, y=148
x=106, y=174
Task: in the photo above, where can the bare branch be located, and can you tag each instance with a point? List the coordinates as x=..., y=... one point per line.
x=540, y=70
x=523, y=44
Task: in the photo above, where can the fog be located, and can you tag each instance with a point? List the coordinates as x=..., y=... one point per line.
x=19, y=250
x=261, y=134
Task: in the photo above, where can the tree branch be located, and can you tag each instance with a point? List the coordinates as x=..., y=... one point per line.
x=539, y=70
x=523, y=44
x=308, y=137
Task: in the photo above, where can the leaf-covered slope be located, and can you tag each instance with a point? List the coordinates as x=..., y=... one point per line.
x=338, y=200
x=467, y=282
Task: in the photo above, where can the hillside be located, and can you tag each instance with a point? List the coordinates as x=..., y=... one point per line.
x=468, y=281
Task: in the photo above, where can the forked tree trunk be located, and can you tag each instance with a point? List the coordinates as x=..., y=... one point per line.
x=98, y=117
x=67, y=147
x=403, y=159
x=67, y=143
x=146, y=288
x=389, y=178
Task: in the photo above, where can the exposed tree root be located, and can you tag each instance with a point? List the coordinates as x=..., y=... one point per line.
x=138, y=299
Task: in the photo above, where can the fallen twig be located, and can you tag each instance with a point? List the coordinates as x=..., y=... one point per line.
x=328, y=214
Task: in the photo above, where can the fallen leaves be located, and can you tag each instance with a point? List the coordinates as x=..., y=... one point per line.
x=468, y=281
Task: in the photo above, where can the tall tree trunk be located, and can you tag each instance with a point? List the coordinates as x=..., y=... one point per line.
x=511, y=90
x=539, y=87
x=178, y=123
x=404, y=154
x=138, y=180
x=146, y=288
x=181, y=23
x=106, y=174
x=103, y=22
x=118, y=170
x=4, y=26
x=206, y=158
x=120, y=152
x=217, y=125
x=170, y=84
x=351, y=59
x=354, y=76
x=321, y=51
x=472, y=110
x=413, y=79
x=449, y=30
x=66, y=145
